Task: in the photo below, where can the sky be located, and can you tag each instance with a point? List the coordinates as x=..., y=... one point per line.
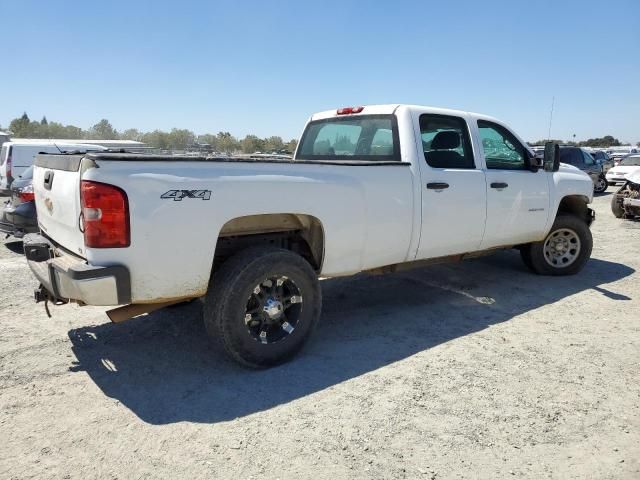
x=263, y=67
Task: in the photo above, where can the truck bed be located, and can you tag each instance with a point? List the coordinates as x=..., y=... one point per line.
x=136, y=157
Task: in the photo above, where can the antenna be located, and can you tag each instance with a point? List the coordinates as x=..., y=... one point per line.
x=553, y=100
x=55, y=145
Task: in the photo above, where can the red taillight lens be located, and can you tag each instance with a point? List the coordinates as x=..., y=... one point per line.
x=105, y=213
x=349, y=110
x=26, y=194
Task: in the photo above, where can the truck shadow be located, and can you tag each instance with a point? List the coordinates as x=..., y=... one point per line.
x=164, y=368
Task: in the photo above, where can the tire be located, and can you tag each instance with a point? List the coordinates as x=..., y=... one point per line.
x=526, y=257
x=601, y=185
x=244, y=283
x=616, y=208
x=565, y=229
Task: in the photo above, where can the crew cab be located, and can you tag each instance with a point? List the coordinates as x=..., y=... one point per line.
x=374, y=189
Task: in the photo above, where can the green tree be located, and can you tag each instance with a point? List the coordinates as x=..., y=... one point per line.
x=156, y=139
x=209, y=139
x=273, y=144
x=291, y=145
x=180, y=139
x=227, y=143
x=103, y=130
x=252, y=144
x=44, y=121
x=20, y=126
x=131, y=134
x=606, y=141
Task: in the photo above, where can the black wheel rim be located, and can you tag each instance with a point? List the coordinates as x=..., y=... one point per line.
x=273, y=310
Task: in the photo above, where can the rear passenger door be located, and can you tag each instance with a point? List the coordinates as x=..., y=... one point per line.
x=453, y=188
x=517, y=197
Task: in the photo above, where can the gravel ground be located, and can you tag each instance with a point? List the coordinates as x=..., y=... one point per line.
x=471, y=370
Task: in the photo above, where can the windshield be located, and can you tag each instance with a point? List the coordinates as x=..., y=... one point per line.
x=631, y=161
x=365, y=137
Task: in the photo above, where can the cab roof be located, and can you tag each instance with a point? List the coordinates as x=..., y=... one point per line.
x=389, y=109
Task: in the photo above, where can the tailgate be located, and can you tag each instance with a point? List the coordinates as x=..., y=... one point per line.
x=56, y=185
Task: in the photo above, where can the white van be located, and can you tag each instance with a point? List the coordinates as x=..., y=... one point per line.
x=17, y=156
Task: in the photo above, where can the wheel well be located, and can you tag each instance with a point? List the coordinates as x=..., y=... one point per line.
x=299, y=233
x=576, y=205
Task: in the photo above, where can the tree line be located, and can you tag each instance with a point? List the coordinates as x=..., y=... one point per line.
x=176, y=139
x=601, y=142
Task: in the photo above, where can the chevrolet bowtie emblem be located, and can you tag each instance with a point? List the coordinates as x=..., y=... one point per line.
x=49, y=204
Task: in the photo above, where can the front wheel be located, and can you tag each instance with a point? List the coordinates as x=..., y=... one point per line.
x=601, y=185
x=564, y=251
x=262, y=305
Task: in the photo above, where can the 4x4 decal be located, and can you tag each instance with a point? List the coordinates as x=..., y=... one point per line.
x=178, y=195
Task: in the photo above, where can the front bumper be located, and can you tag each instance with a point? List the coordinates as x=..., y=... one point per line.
x=69, y=278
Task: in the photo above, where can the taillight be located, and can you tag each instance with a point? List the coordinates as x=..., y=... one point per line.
x=26, y=194
x=349, y=110
x=105, y=213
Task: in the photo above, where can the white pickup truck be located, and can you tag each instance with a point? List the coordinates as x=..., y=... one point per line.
x=374, y=188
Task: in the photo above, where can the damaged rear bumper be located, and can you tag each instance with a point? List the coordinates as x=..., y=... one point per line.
x=66, y=277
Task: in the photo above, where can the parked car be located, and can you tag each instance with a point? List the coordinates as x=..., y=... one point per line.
x=603, y=159
x=582, y=159
x=17, y=155
x=375, y=188
x=629, y=164
x=617, y=157
x=4, y=137
x=18, y=216
x=625, y=203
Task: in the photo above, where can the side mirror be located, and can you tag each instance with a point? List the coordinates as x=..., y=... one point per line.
x=551, y=159
x=534, y=162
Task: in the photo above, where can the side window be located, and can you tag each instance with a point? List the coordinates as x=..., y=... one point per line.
x=571, y=156
x=588, y=159
x=502, y=150
x=446, y=142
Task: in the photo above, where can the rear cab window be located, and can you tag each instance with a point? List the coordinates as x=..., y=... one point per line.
x=367, y=138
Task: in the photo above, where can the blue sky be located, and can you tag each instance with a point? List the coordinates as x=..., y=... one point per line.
x=263, y=66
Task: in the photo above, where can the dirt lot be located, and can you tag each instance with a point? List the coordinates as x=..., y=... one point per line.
x=472, y=370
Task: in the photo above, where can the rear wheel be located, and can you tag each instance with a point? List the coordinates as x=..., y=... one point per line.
x=564, y=251
x=262, y=306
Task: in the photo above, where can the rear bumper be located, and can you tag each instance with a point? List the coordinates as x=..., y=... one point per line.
x=19, y=220
x=67, y=277
x=616, y=178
